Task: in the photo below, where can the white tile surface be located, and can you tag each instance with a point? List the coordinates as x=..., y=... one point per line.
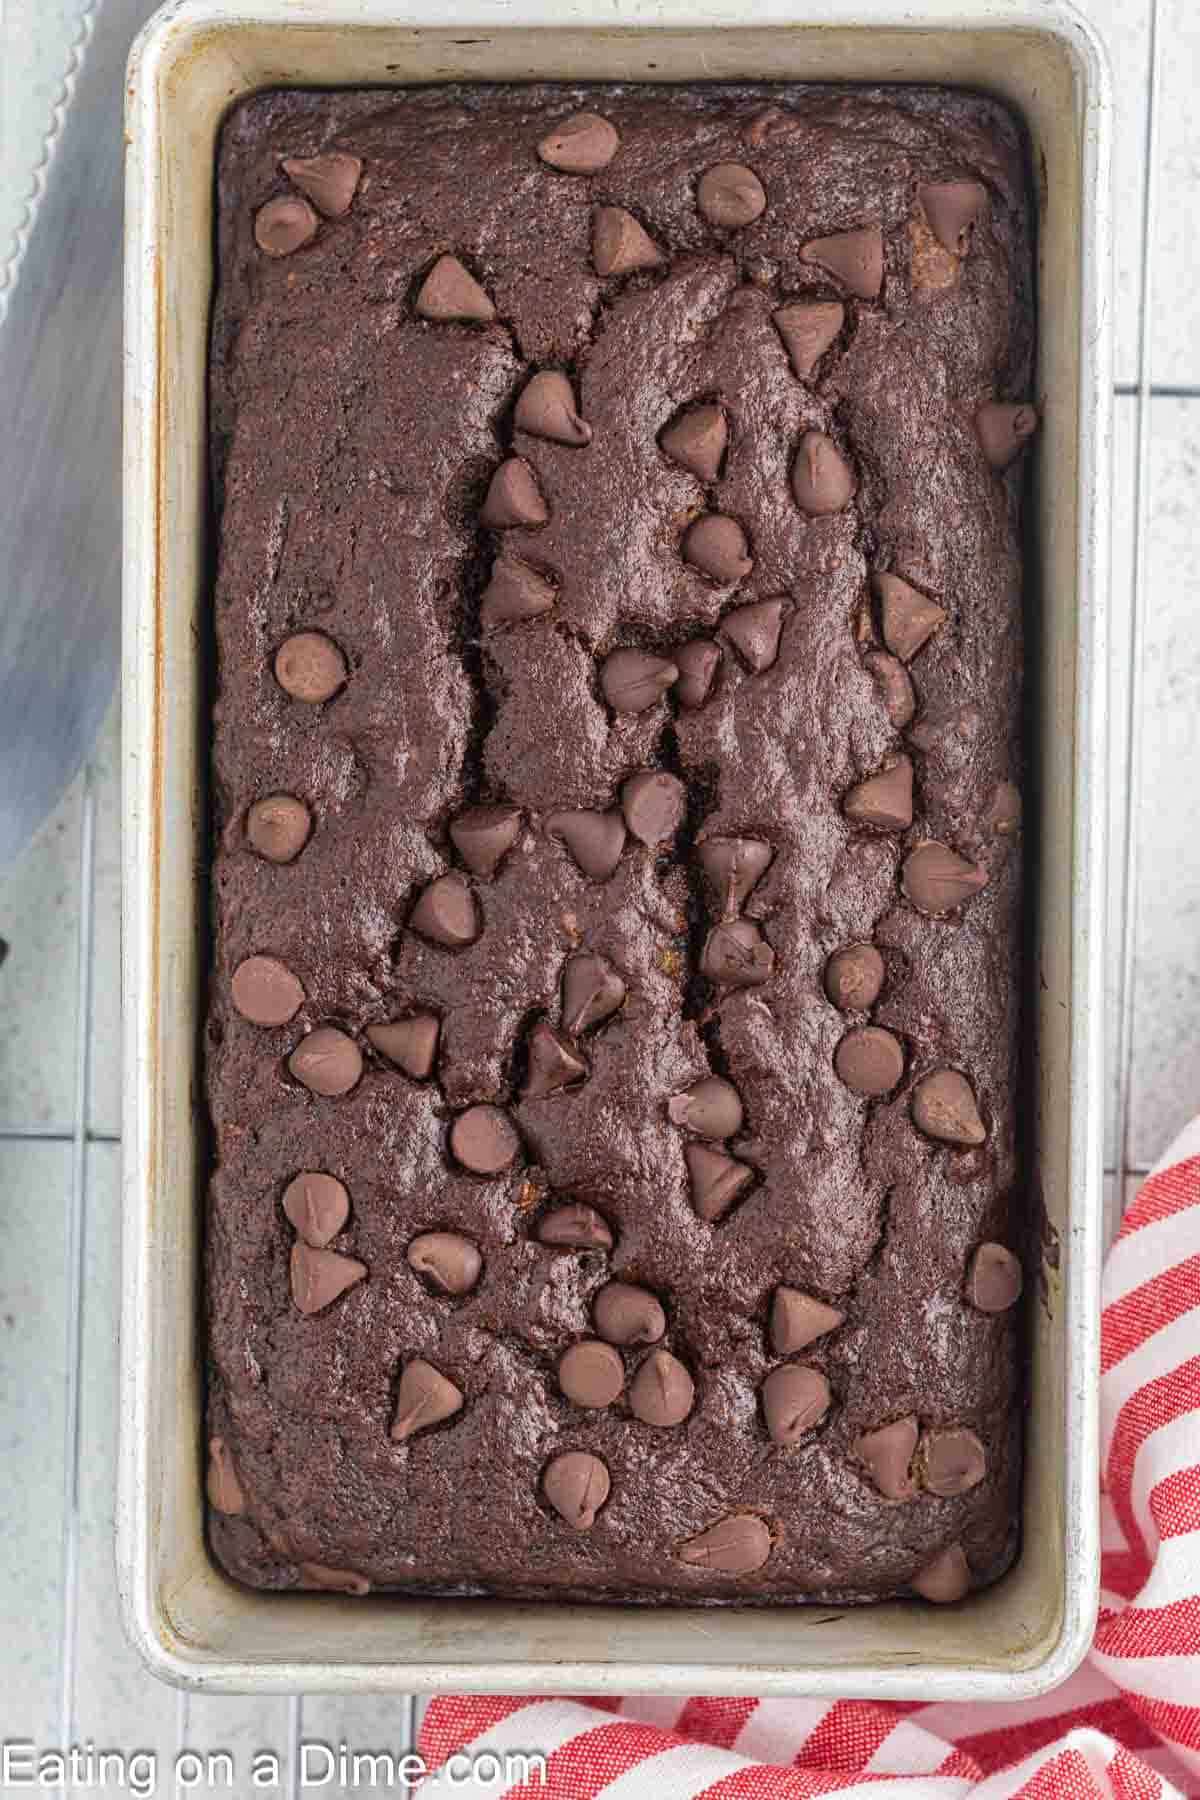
x=1124, y=473
x=104, y=1097
x=1175, y=339
x=1125, y=27
x=39, y=918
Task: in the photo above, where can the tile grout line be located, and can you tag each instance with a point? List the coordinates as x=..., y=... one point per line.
x=76, y=1235
x=295, y=1733
x=1141, y=515
x=182, y=1732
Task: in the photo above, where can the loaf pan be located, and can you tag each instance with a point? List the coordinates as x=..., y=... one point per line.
x=191, y=1623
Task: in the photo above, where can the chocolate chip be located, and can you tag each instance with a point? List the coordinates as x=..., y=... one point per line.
x=936, y=879
x=854, y=976
x=483, y=836
x=730, y=195
x=224, y=1490
x=592, y=991
x=869, y=1060
x=591, y=1373
x=888, y=1454
x=411, y=1044
x=716, y=545
x=319, y=1277
x=808, y=329
x=908, y=617
x=265, y=991
x=278, y=827
x=945, y=1579
x=698, y=662
x=953, y=209
x=625, y=1314
x=1004, y=431
x=717, y=1180
x=546, y=409
x=798, y=1320
x=334, y=1581
x=553, y=1063
x=632, y=680
x=329, y=180
x=662, y=1392
x=620, y=245
x=580, y=145
x=952, y=1462
x=513, y=497
x=696, y=441
x=575, y=1227
x=653, y=804
x=317, y=1206
x=737, y=955
x=795, y=1399
x=712, y=1108
x=452, y=1262
x=883, y=800
x=943, y=1107
x=736, y=1545
x=754, y=633
x=733, y=866
x=326, y=1062
x=284, y=224
x=1003, y=816
x=576, y=1484
x=515, y=592
x=310, y=667
x=594, y=839
x=484, y=1140
x=450, y=292
x=446, y=913
x=854, y=257
x=994, y=1279
x=895, y=686
x=822, y=479
x=425, y=1397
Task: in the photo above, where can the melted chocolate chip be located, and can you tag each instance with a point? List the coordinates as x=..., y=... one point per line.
x=483, y=836
x=936, y=879
x=284, y=224
x=515, y=593
x=736, y=1545
x=446, y=913
x=592, y=991
x=554, y=1063
x=908, y=617
x=754, y=633
x=484, y=1140
x=620, y=245
x=631, y=680
x=411, y=1044
x=225, y=1494
x=1004, y=431
x=717, y=1180
x=730, y=195
x=447, y=1259
x=653, y=804
x=326, y=1062
x=888, y=1454
x=319, y=1277
x=513, y=497
x=546, y=409
x=798, y=1320
x=310, y=667
x=732, y=867
x=953, y=1462
x=330, y=180
x=994, y=1279
x=576, y=1484
x=696, y=441
x=855, y=258
x=737, y=955
x=334, y=1581
x=594, y=839
x=575, y=1227
x=317, y=1206
x=451, y=293
x=947, y=1578
x=1003, y=815
x=895, y=686
x=854, y=977
x=712, y=1108
x=953, y=209
x=716, y=545
x=278, y=827
x=822, y=479
x=795, y=1399
x=808, y=329
x=883, y=800
x=591, y=1373
x=625, y=1314
x=662, y=1392
x=943, y=1107
x=425, y=1397
x=869, y=1060
x=698, y=663
x=581, y=145
x=265, y=991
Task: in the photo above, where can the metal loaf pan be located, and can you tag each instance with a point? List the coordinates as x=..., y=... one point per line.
x=191, y=1623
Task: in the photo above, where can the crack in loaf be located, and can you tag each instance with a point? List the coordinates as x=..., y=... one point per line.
x=613, y=1032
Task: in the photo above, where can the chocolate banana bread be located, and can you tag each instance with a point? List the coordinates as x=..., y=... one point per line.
x=612, y=1046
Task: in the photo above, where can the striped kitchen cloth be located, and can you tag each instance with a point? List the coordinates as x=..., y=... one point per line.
x=1126, y=1726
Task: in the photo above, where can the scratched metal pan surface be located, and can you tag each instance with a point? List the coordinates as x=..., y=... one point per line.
x=193, y=1625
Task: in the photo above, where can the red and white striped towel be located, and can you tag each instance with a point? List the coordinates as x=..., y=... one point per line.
x=1127, y=1726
